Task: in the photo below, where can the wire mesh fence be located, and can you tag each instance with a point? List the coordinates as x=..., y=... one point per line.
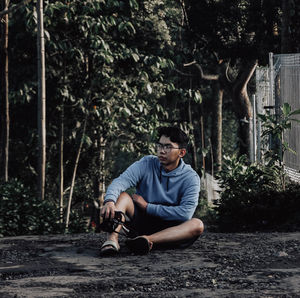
x=277, y=84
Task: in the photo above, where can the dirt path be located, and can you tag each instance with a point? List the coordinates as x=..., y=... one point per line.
x=217, y=265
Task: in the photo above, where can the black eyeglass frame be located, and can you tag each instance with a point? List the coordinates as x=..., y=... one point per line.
x=165, y=147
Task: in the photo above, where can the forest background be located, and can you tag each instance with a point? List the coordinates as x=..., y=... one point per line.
x=114, y=72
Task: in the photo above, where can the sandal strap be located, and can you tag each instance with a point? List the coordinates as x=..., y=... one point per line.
x=110, y=243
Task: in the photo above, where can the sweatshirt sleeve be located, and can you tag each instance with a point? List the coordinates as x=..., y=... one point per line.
x=129, y=178
x=185, y=210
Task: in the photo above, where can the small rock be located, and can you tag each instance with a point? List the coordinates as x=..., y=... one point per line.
x=282, y=254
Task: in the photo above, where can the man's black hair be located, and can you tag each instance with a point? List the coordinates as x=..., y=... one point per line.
x=175, y=134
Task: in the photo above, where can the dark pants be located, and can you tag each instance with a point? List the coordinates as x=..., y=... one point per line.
x=144, y=224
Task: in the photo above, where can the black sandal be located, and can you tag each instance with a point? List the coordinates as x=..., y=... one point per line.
x=139, y=245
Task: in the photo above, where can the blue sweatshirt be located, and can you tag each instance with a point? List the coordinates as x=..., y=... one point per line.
x=170, y=195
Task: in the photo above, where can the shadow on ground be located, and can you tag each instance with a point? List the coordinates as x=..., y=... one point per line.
x=217, y=265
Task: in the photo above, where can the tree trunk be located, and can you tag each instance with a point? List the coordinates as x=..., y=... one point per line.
x=4, y=109
x=74, y=176
x=285, y=27
x=61, y=153
x=192, y=138
x=242, y=106
x=217, y=113
x=202, y=142
x=216, y=127
x=61, y=165
x=41, y=102
x=101, y=178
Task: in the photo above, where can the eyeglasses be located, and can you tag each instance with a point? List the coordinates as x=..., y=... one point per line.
x=165, y=147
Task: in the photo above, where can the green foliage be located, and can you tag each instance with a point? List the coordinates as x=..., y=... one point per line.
x=78, y=223
x=262, y=211
x=112, y=63
x=107, y=61
x=253, y=199
x=254, y=176
x=22, y=213
x=234, y=29
x=255, y=196
x=274, y=128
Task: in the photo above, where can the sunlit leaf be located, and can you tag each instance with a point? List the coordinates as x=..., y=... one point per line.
x=135, y=57
x=149, y=88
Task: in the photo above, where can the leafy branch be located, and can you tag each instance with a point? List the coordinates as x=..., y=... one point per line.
x=14, y=7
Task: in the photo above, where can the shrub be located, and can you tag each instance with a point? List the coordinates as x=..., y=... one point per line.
x=78, y=223
x=22, y=213
x=253, y=198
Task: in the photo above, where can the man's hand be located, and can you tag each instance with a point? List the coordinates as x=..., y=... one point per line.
x=139, y=201
x=108, y=210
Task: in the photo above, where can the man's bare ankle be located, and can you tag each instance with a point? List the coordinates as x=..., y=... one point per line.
x=113, y=238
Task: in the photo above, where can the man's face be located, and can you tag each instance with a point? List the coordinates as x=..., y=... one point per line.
x=169, y=153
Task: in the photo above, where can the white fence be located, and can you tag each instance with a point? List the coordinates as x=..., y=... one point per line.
x=277, y=84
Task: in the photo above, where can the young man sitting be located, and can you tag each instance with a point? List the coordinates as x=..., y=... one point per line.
x=167, y=193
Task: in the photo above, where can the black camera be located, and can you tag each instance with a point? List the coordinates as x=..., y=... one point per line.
x=110, y=224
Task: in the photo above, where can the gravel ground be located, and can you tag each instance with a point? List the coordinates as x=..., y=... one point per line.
x=217, y=265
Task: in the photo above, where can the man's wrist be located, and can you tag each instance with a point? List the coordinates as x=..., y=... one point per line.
x=146, y=205
x=108, y=201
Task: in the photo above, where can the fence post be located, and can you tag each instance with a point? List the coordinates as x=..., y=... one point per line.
x=254, y=131
x=271, y=70
x=251, y=145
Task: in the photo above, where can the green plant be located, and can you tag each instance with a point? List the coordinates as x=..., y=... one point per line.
x=22, y=213
x=246, y=201
x=274, y=127
x=256, y=196
x=78, y=223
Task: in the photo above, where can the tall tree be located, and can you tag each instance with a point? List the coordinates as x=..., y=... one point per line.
x=218, y=81
x=112, y=76
x=74, y=176
x=4, y=99
x=41, y=100
x=240, y=33
x=125, y=45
